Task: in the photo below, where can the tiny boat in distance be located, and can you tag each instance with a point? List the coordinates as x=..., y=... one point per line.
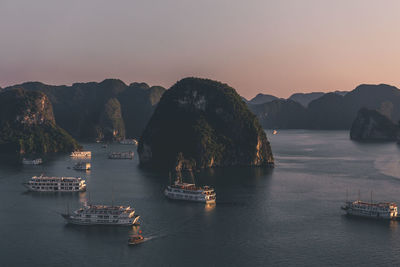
x=81, y=154
x=190, y=192
x=37, y=161
x=121, y=155
x=135, y=239
x=56, y=184
x=129, y=142
x=102, y=215
x=383, y=210
x=82, y=166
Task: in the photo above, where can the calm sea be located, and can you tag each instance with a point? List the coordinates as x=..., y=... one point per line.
x=287, y=216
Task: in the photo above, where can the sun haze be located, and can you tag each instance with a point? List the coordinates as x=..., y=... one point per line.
x=274, y=47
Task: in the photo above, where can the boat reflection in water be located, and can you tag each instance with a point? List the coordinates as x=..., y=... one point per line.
x=209, y=207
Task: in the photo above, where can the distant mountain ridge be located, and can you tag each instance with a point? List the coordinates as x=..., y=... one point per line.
x=302, y=98
x=107, y=110
x=305, y=98
x=262, y=98
x=331, y=111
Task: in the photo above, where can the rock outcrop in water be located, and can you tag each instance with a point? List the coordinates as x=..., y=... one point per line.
x=27, y=125
x=200, y=123
x=370, y=126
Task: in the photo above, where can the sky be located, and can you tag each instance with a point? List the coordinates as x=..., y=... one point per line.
x=274, y=47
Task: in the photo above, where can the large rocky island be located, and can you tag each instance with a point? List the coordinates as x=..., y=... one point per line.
x=27, y=125
x=372, y=126
x=108, y=111
x=200, y=123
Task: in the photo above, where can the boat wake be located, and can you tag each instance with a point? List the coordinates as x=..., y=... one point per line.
x=388, y=165
x=148, y=238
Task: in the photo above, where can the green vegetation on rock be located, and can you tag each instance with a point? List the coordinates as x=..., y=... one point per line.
x=80, y=109
x=200, y=123
x=111, y=123
x=27, y=125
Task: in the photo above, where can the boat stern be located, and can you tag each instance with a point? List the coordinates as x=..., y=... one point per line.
x=135, y=220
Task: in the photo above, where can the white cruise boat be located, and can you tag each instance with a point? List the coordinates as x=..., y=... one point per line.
x=129, y=142
x=56, y=184
x=102, y=215
x=37, y=161
x=190, y=192
x=82, y=166
x=384, y=210
x=81, y=154
x=121, y=155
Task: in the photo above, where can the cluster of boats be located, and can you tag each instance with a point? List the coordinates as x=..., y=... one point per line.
x=90, y=214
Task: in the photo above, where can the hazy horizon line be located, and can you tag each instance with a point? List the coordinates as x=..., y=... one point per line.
x=69, y=84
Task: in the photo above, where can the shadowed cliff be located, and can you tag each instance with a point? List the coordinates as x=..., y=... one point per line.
x=200, y=123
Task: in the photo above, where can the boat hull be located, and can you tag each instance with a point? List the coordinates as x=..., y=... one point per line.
x=369, y=215
x=185, y=197
x=71, y=220
x=31, y=189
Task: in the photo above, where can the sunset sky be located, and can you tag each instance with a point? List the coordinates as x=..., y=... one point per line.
x=274, y=47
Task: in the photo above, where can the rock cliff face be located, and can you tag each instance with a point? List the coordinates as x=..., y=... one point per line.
x=81, y=109
x=112, y=125
x=27, y=124
x=331, y=111
x=201, y=123
x=370, y=126
x=281, y=114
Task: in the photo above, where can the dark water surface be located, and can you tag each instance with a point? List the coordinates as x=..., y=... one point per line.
x=288, y=216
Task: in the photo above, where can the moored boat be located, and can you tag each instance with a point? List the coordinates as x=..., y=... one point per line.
x=121, y=155
x=128, y=142
x=383, y=210
x=82, y=166
x=56, y=184
x=102, y=215
x=37, y=161
x=81, y=154
x=190, y=192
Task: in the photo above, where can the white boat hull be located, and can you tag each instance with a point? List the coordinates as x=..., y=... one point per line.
x=374, y=215
x=95, y=221
x=32, y=189
x=187, y=197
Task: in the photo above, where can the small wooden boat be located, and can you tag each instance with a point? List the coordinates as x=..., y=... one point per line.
x=135, y=239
